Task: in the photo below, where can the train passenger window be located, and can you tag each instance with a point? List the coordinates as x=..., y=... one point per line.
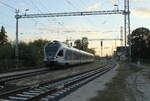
x=73, y=55
x=60, y=53
x=68, y=55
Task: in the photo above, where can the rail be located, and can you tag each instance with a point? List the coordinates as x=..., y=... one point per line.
x=22, y=74
x=56, y=89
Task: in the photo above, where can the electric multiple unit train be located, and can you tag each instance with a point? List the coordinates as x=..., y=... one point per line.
x=58, y=53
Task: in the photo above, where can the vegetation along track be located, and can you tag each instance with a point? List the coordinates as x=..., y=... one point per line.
x=54, y=90
x=22, y=74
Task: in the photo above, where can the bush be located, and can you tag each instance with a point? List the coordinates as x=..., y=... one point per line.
x=27, y=55
x=6, y=57
x=30, y=54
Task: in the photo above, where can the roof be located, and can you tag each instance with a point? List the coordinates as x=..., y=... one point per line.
x=71, y=48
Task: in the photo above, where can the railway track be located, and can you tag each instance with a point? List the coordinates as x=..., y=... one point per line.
x=54, y=90
x=22, y=74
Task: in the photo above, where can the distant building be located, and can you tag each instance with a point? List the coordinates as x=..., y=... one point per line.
x=121, y=53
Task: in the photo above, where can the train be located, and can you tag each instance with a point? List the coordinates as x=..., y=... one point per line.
x=57, y=53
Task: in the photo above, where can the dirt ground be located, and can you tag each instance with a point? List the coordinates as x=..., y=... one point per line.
x=139, y=83
x=131, y=83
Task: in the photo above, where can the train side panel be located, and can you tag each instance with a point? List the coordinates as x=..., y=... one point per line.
x=64, y=55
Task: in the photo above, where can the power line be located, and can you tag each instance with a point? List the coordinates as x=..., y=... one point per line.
x=36, y=6
x=38, y=9
x=43, y=6
x=35, y=21
x=84, y=4
x=2, y=23
x=59, y=23
x=46, y=7
x=4, y=13
x=9, y=6
x=70, y=3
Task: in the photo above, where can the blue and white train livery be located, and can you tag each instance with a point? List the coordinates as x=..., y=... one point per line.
x=58, y=53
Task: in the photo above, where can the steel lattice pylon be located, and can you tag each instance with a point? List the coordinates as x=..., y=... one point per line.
x=85, y=13
x=127, y=24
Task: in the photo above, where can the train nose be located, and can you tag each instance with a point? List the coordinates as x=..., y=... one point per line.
x=50, y=58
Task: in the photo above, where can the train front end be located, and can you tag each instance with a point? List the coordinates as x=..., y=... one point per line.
x=50, y=51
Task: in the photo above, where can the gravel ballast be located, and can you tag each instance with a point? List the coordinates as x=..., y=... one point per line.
x=89, y=90
x=55, y=74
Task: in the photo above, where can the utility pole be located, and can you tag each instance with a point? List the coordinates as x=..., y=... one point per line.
x=16, y=49
x=101, y=48
x=121, y=35
x=127, y=25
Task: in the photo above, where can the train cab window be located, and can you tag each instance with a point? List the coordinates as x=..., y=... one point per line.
x=60, y=53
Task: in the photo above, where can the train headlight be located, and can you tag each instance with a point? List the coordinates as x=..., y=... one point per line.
x=55, y=57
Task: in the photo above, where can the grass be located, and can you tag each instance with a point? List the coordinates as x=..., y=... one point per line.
x=117, y=90
x=146, y=66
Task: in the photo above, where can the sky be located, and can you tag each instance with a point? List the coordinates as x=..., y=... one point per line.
x=62, y=28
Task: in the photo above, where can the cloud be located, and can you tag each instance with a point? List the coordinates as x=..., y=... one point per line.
x=112, y=0
x=97, y=5
x=22, y=4
x=54, y=29
x=141, y=12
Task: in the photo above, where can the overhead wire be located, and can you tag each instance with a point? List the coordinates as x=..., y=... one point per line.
x=91, y=23
x=95, y=17
x=43, y=6
x=36, y=22
x=35, y=6
x=7, y=5
x=59, y=23
x=27, y=3
x=86, y=16
x=6, y=24
x=69, y=2
x=73, y=6
x=38, y=9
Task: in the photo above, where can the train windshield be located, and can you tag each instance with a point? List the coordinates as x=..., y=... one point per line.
x=52, y=49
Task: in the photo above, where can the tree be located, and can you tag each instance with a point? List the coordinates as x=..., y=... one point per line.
x=92, y=50
x=27, y=55
x=6, y=57
x=3, y=36
x=78, y=44
x=85, y=43
x=31, y=54
x=82, y=44
x=38, y=46
x=140, y=43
